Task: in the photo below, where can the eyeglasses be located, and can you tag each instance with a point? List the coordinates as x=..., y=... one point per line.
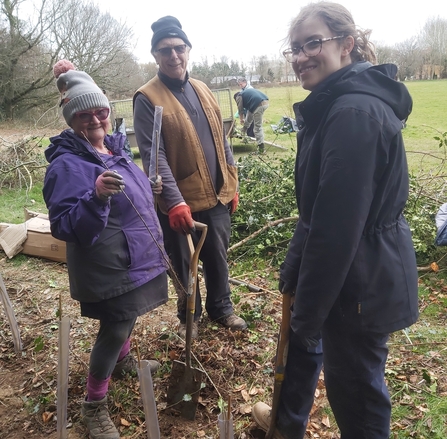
x=87, y=116
x=166, y=51
x=310, y=49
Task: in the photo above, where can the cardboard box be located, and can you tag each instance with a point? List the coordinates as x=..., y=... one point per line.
x=33, y=238
x=41, y=243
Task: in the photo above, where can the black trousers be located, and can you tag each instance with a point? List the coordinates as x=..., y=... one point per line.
x=213, y=257
x=354, y=370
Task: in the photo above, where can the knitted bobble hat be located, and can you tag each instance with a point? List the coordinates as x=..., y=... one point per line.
x=78, y=90
x=167, y=27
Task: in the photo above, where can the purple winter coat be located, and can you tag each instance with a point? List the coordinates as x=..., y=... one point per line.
x=110, y=251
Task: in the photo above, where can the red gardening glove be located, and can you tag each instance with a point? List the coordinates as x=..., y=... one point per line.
x=180, y=219
x=234, y=203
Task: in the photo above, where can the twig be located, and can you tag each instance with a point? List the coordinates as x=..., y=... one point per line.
x=427, y=268
x=263, y=228
x=250, y=287
x=205, y=372
x=268, y=143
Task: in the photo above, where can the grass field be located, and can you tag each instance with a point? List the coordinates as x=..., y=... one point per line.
x=427, y=119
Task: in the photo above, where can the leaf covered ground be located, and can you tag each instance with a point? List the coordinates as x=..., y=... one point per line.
x=238, y=366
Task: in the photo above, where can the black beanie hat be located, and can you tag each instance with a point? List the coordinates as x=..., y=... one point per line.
x=167, y=27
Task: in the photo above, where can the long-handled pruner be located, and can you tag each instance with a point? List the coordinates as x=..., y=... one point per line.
x=281, y=360
x=153, y=164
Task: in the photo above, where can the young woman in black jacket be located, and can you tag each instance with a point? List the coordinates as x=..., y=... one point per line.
x=351, y=264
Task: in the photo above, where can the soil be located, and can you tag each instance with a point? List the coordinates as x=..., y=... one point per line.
x=236, y=365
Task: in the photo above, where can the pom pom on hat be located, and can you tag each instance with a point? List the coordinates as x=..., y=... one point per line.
x=62, y=66
x=167, y=27
x=78, y=90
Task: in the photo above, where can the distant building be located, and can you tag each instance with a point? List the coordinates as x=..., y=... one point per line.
x=430, y=71
x=224, y=80
x=289, y=78
x=253, y=79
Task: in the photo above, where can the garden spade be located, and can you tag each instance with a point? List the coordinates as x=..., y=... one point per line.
x=281, y=360
x=185, y=381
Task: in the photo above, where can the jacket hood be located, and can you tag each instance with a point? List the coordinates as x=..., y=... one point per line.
x=358, y=78
x=69, y=143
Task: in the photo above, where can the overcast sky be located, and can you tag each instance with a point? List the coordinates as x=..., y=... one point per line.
x=241, y=30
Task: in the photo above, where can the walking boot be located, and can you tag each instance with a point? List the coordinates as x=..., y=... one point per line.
x=182, y=330
x=261, y=148
x=95, y=416
x=261, y=414
x=128, y=365
x=232, y=321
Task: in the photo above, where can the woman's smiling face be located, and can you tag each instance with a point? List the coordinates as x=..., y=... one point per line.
x=334, y=54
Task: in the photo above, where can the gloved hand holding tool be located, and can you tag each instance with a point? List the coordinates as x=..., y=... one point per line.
x=109, y=183
x=157, y=185
x=288, y=278
x=287, y=287
x=180, y=219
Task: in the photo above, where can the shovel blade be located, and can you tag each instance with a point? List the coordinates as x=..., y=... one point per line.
x=184, y=388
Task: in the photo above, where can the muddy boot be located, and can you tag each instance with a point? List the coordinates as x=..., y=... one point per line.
x=261, y=148
x=128, y=365
x=95, y=416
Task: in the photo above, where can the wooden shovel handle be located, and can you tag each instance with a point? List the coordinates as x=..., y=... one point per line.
x=192, y=285
x=281, y=360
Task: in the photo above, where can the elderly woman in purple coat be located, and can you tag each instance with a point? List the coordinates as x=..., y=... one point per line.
x=101, y=204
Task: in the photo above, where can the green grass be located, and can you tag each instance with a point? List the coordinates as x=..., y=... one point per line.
x=14, y=201
x=425, y=122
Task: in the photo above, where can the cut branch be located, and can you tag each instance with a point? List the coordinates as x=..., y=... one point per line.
x=262, y=229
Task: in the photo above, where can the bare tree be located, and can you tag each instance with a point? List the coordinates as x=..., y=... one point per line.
x=148, y=71
x=97, y=43
x=385, y=54
x=25, y=58
x=221, y=69
x=433, y=41
x=263, y=66
x=408, y=57
x=29, y=48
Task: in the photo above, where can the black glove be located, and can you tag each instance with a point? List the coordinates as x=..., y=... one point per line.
x=286, y=287
x=288, y=279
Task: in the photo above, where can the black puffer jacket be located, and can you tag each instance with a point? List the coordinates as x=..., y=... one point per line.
x=352, y=247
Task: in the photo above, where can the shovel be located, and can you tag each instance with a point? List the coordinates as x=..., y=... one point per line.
x=281, y=360
x=185, y=381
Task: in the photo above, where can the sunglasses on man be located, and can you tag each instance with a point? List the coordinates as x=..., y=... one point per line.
x=166, y=51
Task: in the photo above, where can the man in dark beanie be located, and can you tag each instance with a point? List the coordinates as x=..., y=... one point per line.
x=197, y=169
x=167, y=27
